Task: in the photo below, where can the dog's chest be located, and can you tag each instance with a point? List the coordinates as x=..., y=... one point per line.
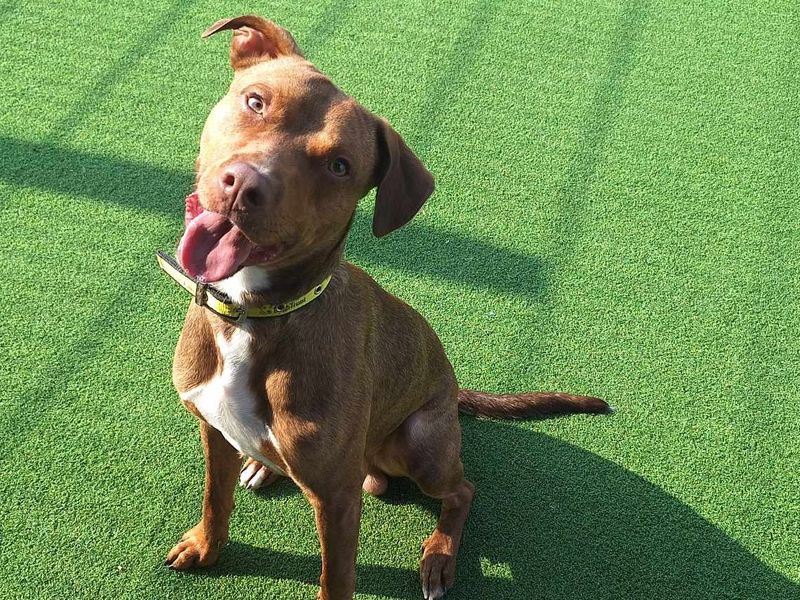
x=229, y=403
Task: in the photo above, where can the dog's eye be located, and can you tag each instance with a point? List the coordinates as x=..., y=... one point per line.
x=255, y=103
x=339, y=167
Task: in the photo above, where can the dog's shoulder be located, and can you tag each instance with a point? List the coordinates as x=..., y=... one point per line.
x=196, y=356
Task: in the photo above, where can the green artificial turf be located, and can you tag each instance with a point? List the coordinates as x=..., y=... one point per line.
x=616, y=214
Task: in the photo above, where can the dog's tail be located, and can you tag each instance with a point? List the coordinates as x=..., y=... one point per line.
x=527, y=406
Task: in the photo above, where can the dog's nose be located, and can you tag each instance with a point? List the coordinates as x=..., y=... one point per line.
x=243, y=186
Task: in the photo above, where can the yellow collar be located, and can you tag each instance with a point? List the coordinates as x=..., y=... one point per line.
x=218, y=303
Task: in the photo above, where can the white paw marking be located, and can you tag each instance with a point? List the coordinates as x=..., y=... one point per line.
x=259, y=478
x=247, y=473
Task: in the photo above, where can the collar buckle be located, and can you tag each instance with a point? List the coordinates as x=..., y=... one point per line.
x=201, y=294
x=235, y=314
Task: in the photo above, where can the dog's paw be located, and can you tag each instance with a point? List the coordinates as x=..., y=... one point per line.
x=437, y=570
x=194, y=550
x=254, y=475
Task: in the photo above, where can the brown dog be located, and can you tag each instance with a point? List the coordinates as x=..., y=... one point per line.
x=352, y=387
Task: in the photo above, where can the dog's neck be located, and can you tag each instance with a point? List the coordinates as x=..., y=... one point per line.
x=258, y=284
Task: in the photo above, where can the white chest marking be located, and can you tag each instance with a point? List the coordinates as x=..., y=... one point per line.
x=229, y=403
x=247, y=279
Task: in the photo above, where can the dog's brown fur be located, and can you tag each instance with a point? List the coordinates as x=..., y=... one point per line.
x=355, y=385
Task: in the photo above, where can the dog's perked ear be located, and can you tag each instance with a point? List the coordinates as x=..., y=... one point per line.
x=404, y=184
x=255, y=39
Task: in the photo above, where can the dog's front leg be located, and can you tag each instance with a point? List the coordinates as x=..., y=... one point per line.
x=201, y=544
x=338, y=515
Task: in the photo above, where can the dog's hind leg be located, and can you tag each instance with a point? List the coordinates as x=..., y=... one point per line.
x=427, y=447
x=437, y=569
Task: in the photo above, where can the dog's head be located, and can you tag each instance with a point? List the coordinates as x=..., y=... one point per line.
x=285, y=157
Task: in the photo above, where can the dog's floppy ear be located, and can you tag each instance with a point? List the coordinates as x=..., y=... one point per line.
x=404, y=184
x=255, y=39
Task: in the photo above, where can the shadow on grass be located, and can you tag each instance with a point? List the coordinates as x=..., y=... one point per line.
x=563, y=523
x=128, y=183
x=417, y=248
x=451, y=74
x=322, y=28
x=121, y=66
x=608, y=100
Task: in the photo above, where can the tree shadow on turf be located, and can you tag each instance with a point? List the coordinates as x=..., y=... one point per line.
x=563, y=523
x=417, y=248
x=118, y=69
x=322, y=28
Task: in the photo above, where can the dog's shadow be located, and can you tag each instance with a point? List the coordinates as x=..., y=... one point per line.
x=551, y=520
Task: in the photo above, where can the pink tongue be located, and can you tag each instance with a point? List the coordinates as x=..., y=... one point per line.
x=212, y=248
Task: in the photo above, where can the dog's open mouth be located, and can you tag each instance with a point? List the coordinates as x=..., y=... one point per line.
x=213, y=248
